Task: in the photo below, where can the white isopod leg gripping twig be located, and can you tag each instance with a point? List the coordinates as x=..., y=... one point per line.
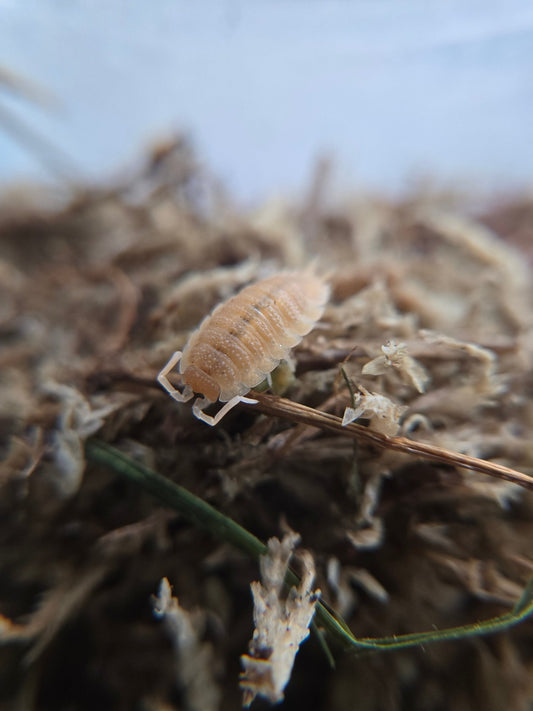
x=201, y=403
x=162, y=379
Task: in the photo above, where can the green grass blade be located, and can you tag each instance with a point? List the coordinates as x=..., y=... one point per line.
x=203, y=515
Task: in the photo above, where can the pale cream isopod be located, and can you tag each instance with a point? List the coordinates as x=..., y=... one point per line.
x=241, y=342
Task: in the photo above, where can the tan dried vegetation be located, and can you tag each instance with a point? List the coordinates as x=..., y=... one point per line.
x=430, y=318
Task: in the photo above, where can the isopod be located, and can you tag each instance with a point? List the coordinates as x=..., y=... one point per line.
x=244, y=338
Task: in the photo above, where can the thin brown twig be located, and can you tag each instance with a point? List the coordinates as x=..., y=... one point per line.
x=296, y=412
x=279, y=407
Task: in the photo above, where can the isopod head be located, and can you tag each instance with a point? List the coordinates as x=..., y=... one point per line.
x=202, y=383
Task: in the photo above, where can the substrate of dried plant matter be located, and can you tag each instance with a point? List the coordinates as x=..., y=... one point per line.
x=430, y=318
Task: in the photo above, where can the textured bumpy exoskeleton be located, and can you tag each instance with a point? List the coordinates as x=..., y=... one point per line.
x=241, y=342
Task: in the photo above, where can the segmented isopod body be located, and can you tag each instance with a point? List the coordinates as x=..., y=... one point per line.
x=244, y=338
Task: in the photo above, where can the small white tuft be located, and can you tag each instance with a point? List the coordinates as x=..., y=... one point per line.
x=384, y=415
x=281, y=625
x=395, y=356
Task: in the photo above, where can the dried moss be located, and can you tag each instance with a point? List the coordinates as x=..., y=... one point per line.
x=100, y=287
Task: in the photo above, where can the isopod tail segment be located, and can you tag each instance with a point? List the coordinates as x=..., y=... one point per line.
x=200, y=403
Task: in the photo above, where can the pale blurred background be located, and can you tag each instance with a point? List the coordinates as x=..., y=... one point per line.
x=393, y=91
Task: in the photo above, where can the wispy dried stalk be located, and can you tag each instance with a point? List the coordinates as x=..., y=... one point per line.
x=296, y=412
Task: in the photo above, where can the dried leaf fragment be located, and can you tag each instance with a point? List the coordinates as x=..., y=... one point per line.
x=281, y=625
x=395, y=356
x=384, y=415
x=483, y=378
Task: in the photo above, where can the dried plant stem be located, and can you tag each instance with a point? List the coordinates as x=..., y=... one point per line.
x=279, y=407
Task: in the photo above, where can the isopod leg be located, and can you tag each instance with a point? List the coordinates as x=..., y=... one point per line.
x=162, y=379
x=201, y=403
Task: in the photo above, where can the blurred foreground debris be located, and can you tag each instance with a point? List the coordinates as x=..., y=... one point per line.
x=194, y=660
